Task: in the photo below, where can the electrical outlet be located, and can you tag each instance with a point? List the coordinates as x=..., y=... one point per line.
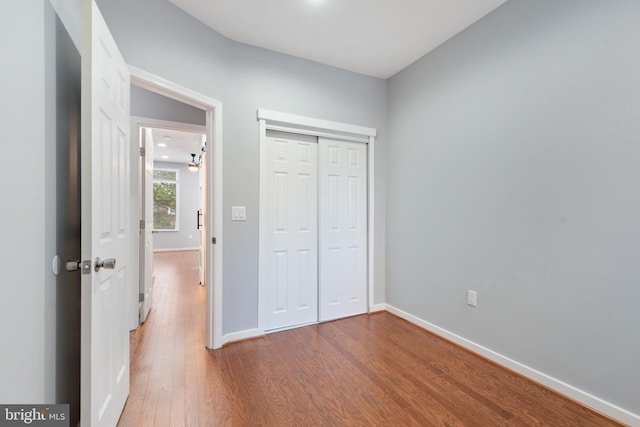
x=472, y=298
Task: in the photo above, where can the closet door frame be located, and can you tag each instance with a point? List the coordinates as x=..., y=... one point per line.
x=285, y=122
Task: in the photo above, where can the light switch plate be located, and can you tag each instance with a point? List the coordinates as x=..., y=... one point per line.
x=238, y=213
x=472, y=298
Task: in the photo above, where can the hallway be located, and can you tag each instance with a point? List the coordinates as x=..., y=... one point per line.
x=167, y=351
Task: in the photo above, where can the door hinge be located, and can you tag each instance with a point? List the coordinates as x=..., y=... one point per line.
x=213, y=240
x=141, y=297
x=142, y=224
x=142, y=151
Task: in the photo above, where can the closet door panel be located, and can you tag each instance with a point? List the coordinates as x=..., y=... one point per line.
x=291, y=267
x=342, y=229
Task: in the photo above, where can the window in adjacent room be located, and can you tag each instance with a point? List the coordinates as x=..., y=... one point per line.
x=165, y=199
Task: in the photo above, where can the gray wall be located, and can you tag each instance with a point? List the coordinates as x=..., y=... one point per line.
x=513, y=170
x=189, y=200
x=39, y=312
x=151, y=105
x=22, y=293
x=179, y=48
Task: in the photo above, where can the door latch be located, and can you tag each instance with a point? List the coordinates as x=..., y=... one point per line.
x=76, y=265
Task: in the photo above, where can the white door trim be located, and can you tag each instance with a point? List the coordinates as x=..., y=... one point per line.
x=303, y=124
x=275, y=120
x=213, y=110
x=167, y=124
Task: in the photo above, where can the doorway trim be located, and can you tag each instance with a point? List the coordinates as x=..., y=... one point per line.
x=213, y=112
x=285, y=122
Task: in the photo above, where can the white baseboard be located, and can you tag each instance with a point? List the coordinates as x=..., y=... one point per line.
x=561, y=387
x=377, y=308
x=242, y=335
x=176, y=249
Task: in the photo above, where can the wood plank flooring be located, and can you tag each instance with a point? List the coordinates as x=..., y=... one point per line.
x=371, y=370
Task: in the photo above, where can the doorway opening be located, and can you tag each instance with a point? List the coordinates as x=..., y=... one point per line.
x=212, y=201
x=172, y=193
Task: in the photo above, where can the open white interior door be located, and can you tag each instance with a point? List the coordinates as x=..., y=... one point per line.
x=105, y=224
x=146, y=241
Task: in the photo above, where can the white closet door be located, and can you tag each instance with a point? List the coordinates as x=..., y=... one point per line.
x=291, y=261
x=343, y=229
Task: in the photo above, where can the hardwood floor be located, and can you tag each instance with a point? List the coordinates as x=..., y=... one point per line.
x=363, y=371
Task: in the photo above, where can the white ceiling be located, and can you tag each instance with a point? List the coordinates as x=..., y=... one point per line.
x=179, y=145
x=373, y=37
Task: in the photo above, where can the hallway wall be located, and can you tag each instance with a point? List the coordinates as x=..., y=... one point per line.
x=187, y=236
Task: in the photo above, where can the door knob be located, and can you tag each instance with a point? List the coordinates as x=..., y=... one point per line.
x=109, y=263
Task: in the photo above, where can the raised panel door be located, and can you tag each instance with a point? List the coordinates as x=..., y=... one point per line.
x=342, y=229
x=291, y=218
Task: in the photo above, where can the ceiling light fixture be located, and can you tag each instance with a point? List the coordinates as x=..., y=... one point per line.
x=194, y=164
x=162, y=144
